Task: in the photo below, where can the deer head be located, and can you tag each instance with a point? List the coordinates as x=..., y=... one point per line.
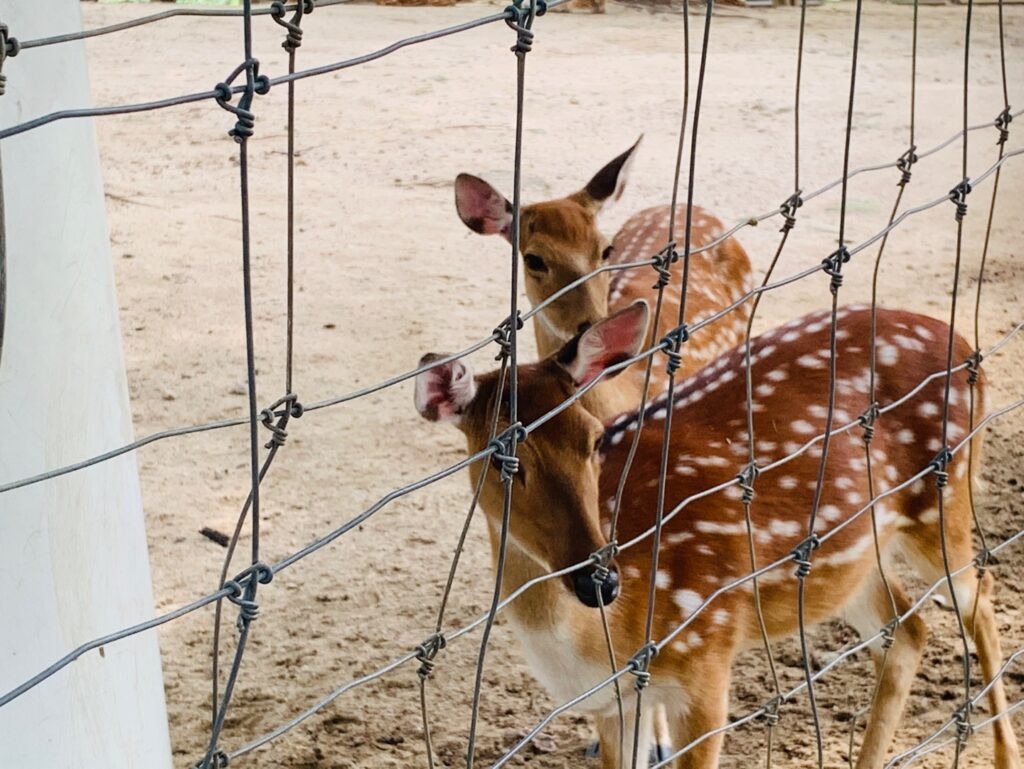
x=559, y=241
x=555, y=518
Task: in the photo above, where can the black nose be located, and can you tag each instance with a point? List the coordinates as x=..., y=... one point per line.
x=586, y=586
x=583, y=326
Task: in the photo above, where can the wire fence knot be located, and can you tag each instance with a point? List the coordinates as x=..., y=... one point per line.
x=243, y=591
x=294, y=37
x=788, y=210
x=1002, y=123
x=663, y=260
x=260, y=84
x=503, y=447
x=503, y=337
x=520, y=18
x=867, y=421
x=640, y=664
x=273, y=412
x=833, y=266
x=746, y=480
x=964, y=728
x=939, y=465
x=770, y=714
x=602, y=560
x=905, y=163
x=889, y=632
x=670, y=344
x=9, y=47
x=959, y=197
x=427, y=651
x=973, y=365
x=802, y=555
x=217, y=760
x=982, y=560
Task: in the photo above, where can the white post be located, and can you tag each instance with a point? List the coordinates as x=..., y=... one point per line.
x=73, y=559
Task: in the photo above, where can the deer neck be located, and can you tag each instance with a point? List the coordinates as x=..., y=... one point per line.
x=536, y=607
x=549, y=338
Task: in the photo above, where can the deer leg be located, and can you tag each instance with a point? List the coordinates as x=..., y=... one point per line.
x=974, y=602
x=612, y=739
x=692, y=719
x=981, y=624
x=895, y=667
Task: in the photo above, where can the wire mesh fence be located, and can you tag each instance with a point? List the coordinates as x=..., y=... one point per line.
x=239, y=95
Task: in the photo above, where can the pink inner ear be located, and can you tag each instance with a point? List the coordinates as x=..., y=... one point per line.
x=481, y=207
x=443, y=392
x=609, y=342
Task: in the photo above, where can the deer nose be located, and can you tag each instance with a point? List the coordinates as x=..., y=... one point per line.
x=583, y=326
x=587, y=587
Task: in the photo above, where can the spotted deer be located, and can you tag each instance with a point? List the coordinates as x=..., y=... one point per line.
x=560, y=242
x=570, y=465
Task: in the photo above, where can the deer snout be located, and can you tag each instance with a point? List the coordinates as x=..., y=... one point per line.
x=587, y=582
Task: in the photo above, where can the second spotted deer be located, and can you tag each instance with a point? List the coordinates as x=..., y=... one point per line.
x=560, y=242
x=570, y=466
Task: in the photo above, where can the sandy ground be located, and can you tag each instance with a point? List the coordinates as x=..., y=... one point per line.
x=387, y=272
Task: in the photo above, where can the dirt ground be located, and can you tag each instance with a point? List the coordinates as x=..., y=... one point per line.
x=386, y=272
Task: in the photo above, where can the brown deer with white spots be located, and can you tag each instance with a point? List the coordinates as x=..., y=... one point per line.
x=560, y=242
x=570, y=466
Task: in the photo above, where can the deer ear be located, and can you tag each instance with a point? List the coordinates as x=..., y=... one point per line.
x=604, y=344
x=608, y=184
x=443, y=392
x=481, y=207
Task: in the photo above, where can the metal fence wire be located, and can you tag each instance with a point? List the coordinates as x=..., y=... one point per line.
x=247, y=83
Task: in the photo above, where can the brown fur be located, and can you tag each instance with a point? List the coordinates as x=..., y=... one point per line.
x=556, y=520
x=564, y=233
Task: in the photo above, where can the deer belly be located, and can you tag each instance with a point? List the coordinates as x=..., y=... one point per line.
x=562, y=667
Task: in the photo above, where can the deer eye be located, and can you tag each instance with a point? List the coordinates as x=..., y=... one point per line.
x=534, y=263
x=598, y=443
x=606, y=254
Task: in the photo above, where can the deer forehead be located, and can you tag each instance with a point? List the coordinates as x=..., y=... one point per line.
x=561, y=227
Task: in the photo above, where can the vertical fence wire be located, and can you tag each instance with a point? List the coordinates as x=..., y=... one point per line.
x=524, y=12
x=833, y=266
x=959, y=197
x=749, y=474
x=248, y=608
x=869, y=418
x=648, y=651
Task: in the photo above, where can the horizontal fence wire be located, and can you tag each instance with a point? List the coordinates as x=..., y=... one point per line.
x=241, y=580
x=242, y=589
x=482, y=343
x=452, y=469
x=172, y=13
x=216, y=93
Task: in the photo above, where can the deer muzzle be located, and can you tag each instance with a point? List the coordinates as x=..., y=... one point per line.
x=594, y=588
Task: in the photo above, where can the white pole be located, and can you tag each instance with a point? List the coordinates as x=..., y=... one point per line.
x=73, y=559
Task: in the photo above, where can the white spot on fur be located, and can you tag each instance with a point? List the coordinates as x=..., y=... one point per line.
x=677, y=537
x=687, y=600
x=909, y=343
x=830, y=513
x=784, y=528
x=888, y=355
x=712, y=461
x=802, y=426
x=809, y=361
